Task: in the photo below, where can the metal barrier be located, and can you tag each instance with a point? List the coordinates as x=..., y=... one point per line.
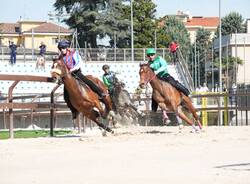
x=236, y=107
x=184, y=71
x=234, y=104
x=10, y=105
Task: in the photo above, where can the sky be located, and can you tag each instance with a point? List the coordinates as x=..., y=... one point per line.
x=12, y=10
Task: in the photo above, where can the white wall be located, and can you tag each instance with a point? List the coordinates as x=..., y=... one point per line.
x=243, y=75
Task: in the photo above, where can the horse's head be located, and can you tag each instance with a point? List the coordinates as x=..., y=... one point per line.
x=146, y=75
x=59, y=69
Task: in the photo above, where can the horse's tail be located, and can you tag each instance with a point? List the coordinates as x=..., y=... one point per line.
x=107, y=99
x=190, y=107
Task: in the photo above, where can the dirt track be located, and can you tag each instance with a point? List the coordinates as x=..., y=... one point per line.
x=139, y=155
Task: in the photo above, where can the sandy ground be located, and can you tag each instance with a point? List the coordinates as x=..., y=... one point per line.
x=137, y=155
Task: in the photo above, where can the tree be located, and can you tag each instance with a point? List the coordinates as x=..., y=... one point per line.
x=93, y=19
x=203, y=47
x=231, y=23
x=117, y=23
x=171, y=29
x=228, y=64
x=144, y=23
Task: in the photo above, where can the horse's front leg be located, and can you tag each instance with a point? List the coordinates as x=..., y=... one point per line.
x=164, y=109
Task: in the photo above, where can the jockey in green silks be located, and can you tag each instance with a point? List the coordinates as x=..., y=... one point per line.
x=160, y=67
x=108, y=78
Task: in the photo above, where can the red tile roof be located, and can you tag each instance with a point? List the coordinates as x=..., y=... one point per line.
x=9, y=28
x=46, y=27
x=50, y=28
x=203, y=21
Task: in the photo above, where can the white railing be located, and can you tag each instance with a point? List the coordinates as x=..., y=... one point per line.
x=89, y=54
x=117, y=55
x=184, y=72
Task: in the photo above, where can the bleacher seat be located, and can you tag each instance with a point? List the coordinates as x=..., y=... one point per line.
x=128, y=73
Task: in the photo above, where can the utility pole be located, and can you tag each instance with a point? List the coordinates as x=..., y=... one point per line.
x=195, y=66
x=199, y=73
x=236, y=55
x=227, y=68
x=220, y=68
x=212, y=67
x=132, y=31
x=205, y=66
x=33, y=45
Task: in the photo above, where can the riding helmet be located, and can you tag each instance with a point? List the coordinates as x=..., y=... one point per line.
x=151, y=51
x=63, y=44
x=104, y=67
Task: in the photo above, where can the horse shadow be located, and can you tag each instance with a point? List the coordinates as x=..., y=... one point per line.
x=157, y=132
x=235, y=167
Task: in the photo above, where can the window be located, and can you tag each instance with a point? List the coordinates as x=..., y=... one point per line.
x=17, y=29
x=54, y=41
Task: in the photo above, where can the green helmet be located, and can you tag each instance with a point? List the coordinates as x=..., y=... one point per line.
x=150, y=51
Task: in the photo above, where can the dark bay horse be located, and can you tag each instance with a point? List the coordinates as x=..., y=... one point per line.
x=82, y=98
x=123, y=107
x=168, y=97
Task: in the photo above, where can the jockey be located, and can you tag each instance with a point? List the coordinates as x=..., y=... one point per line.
x=159, y=66
x=108, y=78
x=73, y=61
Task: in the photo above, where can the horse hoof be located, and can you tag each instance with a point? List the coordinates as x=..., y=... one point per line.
x=104, y=133
x=181, y=126
x=195, y=131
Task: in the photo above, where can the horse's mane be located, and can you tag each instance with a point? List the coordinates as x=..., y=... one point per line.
x=57, y=57
x=147, y=65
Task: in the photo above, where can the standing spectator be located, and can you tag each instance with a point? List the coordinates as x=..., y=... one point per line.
x=204, y=88
x=42, y=49
x=173, y=49
x=13, y=48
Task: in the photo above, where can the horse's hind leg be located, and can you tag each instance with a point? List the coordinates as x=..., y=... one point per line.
x=191, y=108
x=184, y=117
x=94, y=117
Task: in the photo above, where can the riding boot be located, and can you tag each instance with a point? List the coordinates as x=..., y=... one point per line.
x=111, y=94
x=73, y=110
x=182, y=88
x=154, y=105
x=91, y=84
x=168, y=78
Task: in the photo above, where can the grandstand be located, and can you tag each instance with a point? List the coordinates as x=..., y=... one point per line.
x=128, y=73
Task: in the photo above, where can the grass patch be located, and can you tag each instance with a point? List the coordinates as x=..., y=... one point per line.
x=32, y=133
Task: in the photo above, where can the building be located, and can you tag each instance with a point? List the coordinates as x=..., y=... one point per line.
x=208, y=23
x=193, y=23
x=237, y=45
x=30, y=34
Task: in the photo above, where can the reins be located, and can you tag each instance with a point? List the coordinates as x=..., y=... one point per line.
x=154, y=76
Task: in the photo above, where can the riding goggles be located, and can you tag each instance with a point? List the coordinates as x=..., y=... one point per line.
x=150, y=54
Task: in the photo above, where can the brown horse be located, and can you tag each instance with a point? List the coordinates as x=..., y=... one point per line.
x=168, y=97
x=81, y=97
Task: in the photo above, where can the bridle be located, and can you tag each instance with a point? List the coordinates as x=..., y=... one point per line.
x=62, y=77
x=150, y=79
